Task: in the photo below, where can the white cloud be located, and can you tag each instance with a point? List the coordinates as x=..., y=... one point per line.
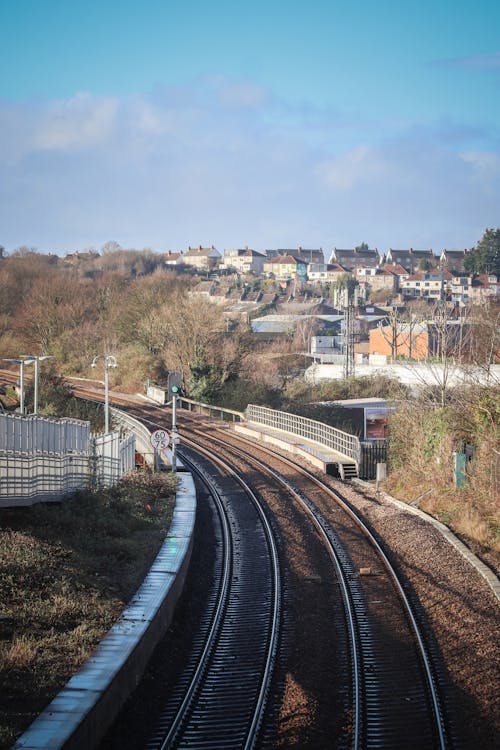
x=80, y=122
x=487, y=163
x=360, y=164
x=225, y=162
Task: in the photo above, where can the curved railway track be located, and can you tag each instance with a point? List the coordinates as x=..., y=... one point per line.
x=400, y=694
x=221, y=697
x=394, y=691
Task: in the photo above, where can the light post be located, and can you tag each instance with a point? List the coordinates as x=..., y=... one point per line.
x=109, y=361
x=29, y=359
x=175, y=434
x=21, y=362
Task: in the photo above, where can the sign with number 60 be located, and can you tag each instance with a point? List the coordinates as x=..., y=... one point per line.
x=159, y=440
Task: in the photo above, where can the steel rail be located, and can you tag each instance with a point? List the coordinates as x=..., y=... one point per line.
x=438, y=715
x=395, y=579
x=276, y=607
x=350, y=617
x=218, y=614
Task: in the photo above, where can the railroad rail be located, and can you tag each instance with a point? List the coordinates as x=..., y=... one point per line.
x=221, y=697
x=394, y=693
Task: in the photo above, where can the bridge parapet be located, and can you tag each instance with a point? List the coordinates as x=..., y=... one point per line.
x=338, y=440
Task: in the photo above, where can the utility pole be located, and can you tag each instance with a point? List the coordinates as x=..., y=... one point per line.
x=348, y=337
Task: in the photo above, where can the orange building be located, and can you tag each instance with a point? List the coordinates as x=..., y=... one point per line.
x=401, y=340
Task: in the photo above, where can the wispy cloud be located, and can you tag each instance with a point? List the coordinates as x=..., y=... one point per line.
x=474, y=62
x=225, y=162
x=80, y=122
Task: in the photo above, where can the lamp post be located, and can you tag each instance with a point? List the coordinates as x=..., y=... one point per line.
x=29, y=359
x=21, y=362
x=109, y=361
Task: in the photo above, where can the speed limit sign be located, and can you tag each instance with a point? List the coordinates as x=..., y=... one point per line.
x=159, y=440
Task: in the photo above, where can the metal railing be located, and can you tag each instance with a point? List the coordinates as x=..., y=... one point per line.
x=37, y=466
x=227, y=415
x=130, y=425
x=110, y=457
x=342, y=442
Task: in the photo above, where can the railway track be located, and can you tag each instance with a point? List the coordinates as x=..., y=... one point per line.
x=221, y=697
x=391, y=694
x=394, y=697
x=394, y=693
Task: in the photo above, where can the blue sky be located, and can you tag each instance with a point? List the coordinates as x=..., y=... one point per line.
x=269, y=124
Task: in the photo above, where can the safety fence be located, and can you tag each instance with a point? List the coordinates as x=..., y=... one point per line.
x=32, y=433
x=49, y=473
x=226, y=415
x=127, y=424
x=110, y=457
x=29, y=478
x=365, y=453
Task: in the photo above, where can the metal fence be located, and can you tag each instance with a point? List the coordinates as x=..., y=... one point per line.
x=129, y=425
x=32, y=433
x=337, y=440
x=28, y=478
x=373, y=452
x=43, y=471
x=110, y=457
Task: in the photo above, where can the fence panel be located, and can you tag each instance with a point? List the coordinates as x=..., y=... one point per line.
x=35, y=433
x=111, y=458
x=373, y=452
x=26, y=478
x=128, y=425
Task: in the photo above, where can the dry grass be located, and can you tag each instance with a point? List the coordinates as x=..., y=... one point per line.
x=422, y=445
x=66, y=571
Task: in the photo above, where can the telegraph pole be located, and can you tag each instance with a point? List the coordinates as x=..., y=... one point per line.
x=348, y=338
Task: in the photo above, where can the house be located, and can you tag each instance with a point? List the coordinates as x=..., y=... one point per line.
x=324, y=273
x=204, y=258
x=412, y=260
x=398, y=271
x=307, y=256
x=428, y=285
x=282, y=267
x=458, y=288
x=374, y=280
x=483, y=288
x=453, y=260
x=300, y=253
x=349, y=259
x=244, y=260
x=173, y=259
x=87, y=256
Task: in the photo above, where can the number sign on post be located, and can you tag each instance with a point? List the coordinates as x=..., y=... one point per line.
x=159, y=440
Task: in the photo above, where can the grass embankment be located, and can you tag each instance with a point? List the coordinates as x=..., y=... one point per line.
x=66, y=572
x=423, y=441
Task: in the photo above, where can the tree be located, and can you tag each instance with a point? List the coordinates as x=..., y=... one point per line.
x=485, y=257
x=394, y=330
x=363, y=248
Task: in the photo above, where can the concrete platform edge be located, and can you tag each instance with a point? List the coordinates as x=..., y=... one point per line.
x=83, y=726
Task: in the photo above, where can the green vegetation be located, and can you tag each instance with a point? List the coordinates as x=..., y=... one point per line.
x=485, y=256
x=423, y=439
x=66, y=572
